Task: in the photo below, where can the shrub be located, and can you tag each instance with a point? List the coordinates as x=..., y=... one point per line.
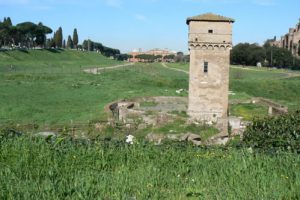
x=279, y=133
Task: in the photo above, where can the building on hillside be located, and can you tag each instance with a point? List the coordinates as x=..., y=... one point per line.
x=290, y=41
x=210, y=42
x=154, y=52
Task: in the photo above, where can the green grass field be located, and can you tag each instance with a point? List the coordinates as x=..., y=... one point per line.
x=34, y=169
x=49, y=87
x=50, y=97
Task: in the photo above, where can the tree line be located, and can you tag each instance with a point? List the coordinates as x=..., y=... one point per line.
x=31, y=35
x=267, y=55
x=178, y=57
x=89, y=45
x=26, y=34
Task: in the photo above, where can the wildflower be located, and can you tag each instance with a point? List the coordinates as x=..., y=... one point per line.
x=250, y=150
x=129, y=139
x=179, y=91
x=209, y=123
x=283, y=176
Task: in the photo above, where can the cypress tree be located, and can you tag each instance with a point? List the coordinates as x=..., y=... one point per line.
x=8, y=21
x=70, y=43
x=75, y=38
x=59, y=38
x=53, y=42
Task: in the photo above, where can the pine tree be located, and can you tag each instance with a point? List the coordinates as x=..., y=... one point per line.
x=75, y=38
x=70, y=44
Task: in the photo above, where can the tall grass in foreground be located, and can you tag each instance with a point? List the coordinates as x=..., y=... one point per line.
x=32, y=168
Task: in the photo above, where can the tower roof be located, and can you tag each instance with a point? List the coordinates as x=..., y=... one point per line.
x=210, y=17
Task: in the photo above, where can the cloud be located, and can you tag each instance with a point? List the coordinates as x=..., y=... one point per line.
x=14, y=2
x=42, y=8
x=265, y=2
x=215, y=1
x=113, y=3
x=256, y=2
x=140, y=17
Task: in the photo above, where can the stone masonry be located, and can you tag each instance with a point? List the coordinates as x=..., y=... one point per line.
x=210, y=42
x=290, y=41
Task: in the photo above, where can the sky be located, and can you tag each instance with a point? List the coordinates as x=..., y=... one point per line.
x=148, y=24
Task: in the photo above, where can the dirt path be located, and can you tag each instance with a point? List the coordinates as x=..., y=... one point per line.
x=174, y=69
x=97, y=70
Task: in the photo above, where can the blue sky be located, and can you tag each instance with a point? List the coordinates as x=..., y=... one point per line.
x=146, y=24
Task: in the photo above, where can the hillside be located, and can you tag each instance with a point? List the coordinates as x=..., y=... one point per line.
x=38, y=59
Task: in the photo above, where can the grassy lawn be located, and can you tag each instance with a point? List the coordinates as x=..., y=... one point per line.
x=249, y=111
x=275, y=85
x=183, y=66
x=61, y=97
x=50, y=87
x=61, y=169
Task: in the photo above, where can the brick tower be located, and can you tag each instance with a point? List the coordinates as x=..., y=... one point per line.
x=210, y=42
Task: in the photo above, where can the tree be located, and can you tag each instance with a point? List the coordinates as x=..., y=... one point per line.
x=179, y=57
x=52, y=43
x=28, y=31
x=123, y=57
x=75, y=38
x=5, y=32
x=70, y=44
x=40, y=33
x=88, y=45
x=247, y=54
x=25, y=34
x=59, y=38
x=171, y=56
x=146, y=57
x=7, y=22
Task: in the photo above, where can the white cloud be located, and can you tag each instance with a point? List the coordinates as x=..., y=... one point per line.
x=256, y=2
x=140, y=17
x=113, y=3
x=265, y=2
x=14, y=2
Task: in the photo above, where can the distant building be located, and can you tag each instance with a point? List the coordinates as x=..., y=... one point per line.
x=154, y=52
x=290, y=41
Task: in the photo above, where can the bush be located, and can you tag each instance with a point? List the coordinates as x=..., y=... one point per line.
x=275, y=133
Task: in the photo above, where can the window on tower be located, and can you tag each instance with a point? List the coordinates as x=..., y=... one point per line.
x=210, y=31
x=205, y=67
